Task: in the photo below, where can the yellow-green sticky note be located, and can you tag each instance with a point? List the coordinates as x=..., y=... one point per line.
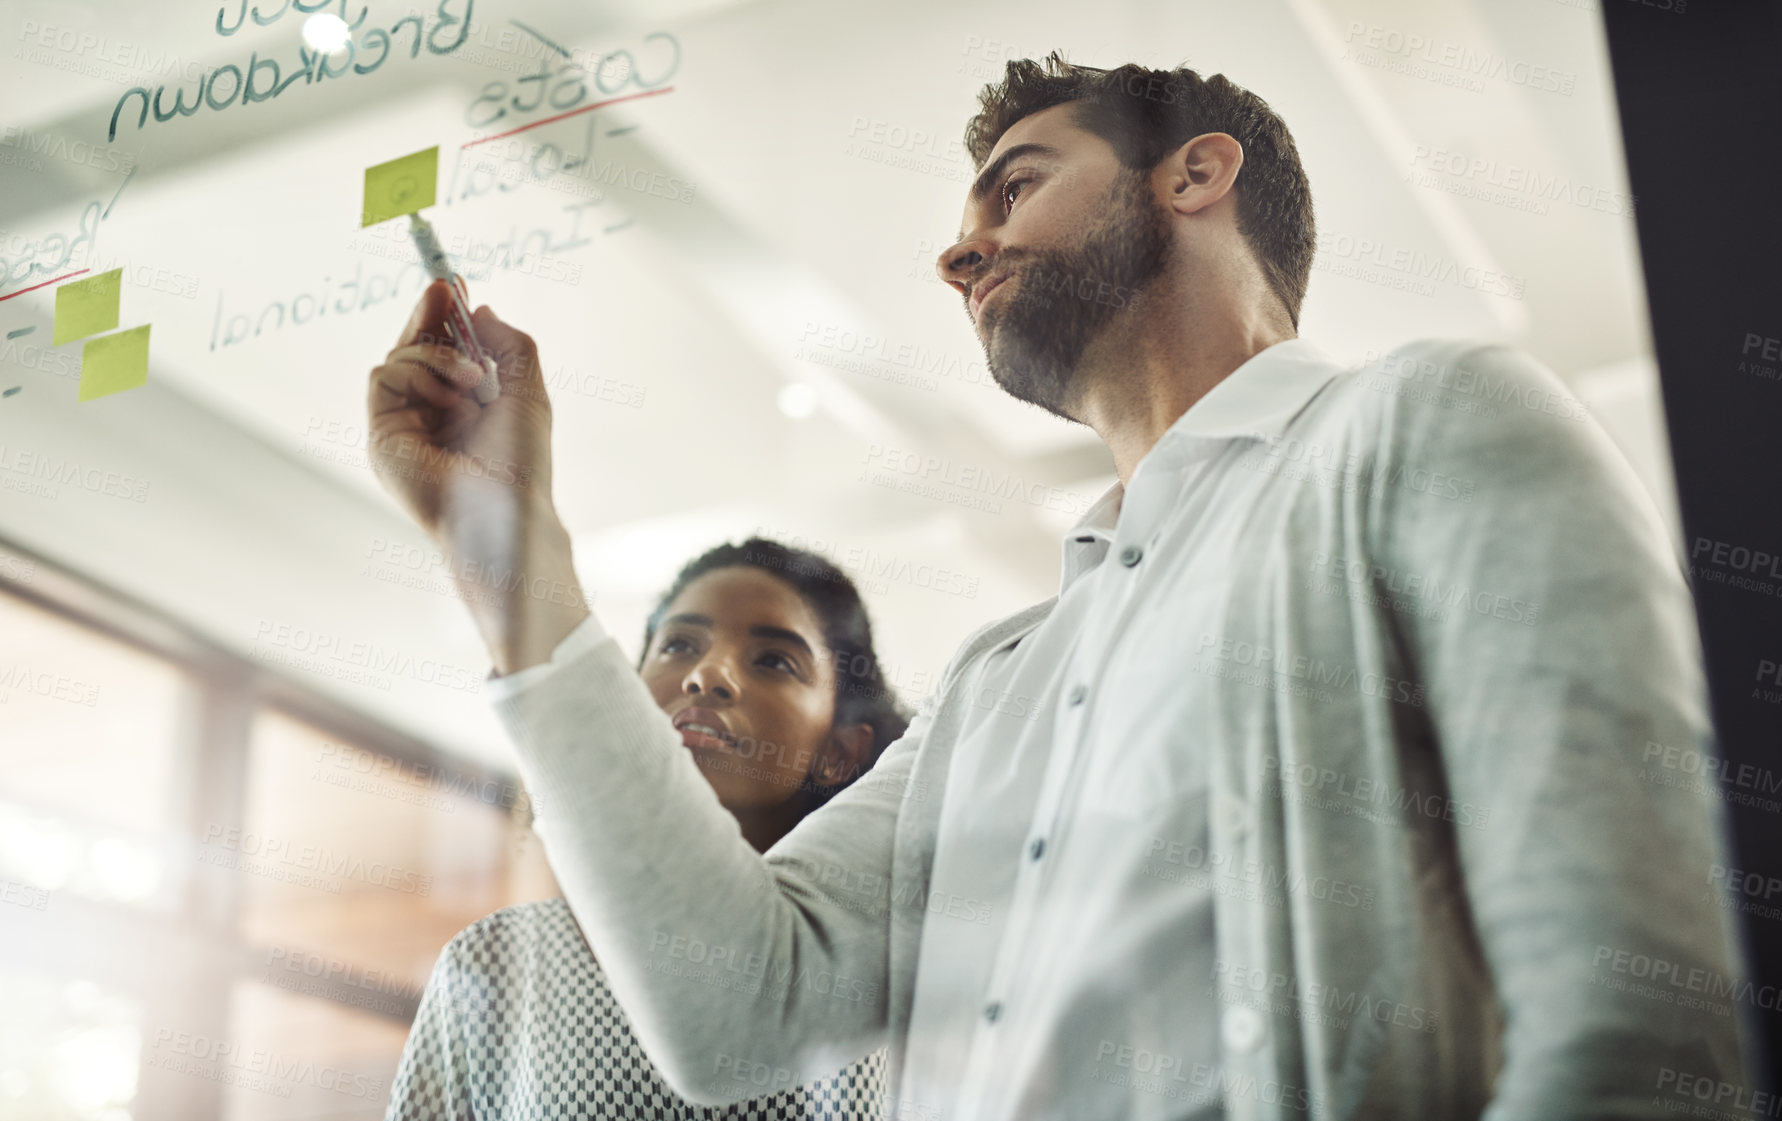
x=113, y=363
x=400, y=187
x=87, y=307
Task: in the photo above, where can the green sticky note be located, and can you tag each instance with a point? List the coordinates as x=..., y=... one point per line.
x=87, y=307
x=113, y=363
x=400, y=187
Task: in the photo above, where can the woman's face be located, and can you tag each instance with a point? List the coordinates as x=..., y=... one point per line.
x=740, y=665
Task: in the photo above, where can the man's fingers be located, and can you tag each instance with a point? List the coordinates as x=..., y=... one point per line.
x=515, y=354
x=445, y=360
x=497, y=337
x=402, y=384
x=456, y=421
x=428, y=320
x=403, y=424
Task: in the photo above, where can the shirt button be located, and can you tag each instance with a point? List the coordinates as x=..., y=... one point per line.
x=1039, y=846
x=992, y=1010
x=1131, y=555
x=1242, y=1028
x=1078, y=693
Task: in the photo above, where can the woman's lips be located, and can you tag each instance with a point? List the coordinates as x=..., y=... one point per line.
x=691, y=736
x=701, y=727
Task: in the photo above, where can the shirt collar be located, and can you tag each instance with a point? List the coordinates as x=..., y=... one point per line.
x=1255, y=401
x=1261, y=396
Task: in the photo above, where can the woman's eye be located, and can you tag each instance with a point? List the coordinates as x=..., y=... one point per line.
x=676, y=645
x=778, y=661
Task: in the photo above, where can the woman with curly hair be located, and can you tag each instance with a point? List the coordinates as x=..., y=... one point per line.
x=762, y=657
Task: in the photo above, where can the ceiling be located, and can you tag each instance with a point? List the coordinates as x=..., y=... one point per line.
x=816, y=143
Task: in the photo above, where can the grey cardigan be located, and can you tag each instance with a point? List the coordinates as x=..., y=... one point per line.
x=1499, y=798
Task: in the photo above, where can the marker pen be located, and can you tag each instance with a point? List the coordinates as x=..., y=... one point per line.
x=458, y=318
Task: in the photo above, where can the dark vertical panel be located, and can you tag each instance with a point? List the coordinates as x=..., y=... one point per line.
x=1699, y=85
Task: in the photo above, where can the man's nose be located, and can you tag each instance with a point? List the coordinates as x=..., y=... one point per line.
x=958, y=262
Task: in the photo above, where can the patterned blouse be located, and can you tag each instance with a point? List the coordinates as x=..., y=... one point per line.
x=517, y=1022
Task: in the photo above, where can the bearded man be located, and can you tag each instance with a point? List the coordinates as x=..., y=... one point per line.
x=1334, y=804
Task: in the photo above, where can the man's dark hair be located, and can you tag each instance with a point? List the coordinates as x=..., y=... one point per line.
x=1147, y=114
x=861, y=695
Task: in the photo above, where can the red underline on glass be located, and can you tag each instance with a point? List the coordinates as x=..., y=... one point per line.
x=571, y=113
x=45, y=284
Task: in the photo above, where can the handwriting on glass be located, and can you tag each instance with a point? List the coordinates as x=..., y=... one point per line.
x=611, y=73
x=314, y=66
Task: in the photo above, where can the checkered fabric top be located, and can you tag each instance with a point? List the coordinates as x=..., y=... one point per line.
x=517, y=1022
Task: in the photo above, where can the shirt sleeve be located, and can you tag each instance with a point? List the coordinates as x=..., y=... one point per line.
x=587, y=634
x=433, y=1078
x=703, y=939
x=1572, y=660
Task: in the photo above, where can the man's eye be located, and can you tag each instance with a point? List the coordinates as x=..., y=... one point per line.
x=675, y=645
x=1010, y=191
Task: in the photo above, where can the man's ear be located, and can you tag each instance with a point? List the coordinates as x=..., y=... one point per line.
x=1202, y=171
x=844, y=754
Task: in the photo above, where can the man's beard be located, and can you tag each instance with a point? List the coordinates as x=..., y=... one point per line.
x=1064, y=298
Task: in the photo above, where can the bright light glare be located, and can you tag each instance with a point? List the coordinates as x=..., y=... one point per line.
x=130, y=872
x=798, y=400
x=43, y=853
x=82, y=997
x=97, y=1067
x=326, y=33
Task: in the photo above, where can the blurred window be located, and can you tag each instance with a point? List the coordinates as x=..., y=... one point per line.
x=213, y=902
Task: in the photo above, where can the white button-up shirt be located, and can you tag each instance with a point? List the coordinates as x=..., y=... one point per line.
x=1325, y=786
x=1076, y=812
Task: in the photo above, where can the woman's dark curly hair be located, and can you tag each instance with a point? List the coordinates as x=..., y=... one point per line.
x=861, y=695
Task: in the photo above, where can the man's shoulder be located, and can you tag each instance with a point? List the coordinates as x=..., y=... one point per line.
x=1432, y=390
x=997, y=631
